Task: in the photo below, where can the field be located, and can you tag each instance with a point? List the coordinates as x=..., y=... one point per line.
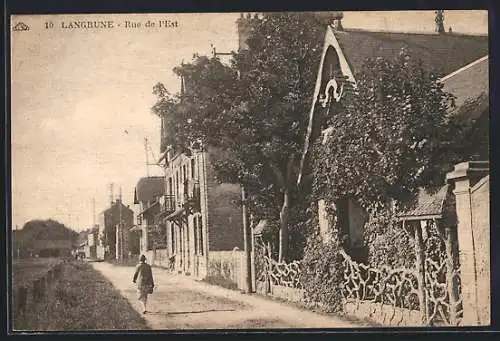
x=81, y=300
x=25, y=270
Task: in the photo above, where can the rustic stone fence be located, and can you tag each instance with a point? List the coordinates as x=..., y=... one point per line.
x=32, y=292
x=280, y=280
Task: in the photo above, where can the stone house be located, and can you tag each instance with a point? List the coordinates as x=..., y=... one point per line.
x=201, y=215
x=462, y=65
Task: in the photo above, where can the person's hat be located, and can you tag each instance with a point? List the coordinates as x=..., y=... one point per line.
x=142, y=258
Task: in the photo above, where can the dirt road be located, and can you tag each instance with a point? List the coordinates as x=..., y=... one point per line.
x=182, y=303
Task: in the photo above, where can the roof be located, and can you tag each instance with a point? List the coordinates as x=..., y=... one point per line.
x=114, y=204
x=148, y=188
x=427, y=205
x=444, y=53
x=440, y=53
x=154, y=204
x=470, y=86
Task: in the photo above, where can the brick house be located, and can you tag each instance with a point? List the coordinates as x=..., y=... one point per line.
x=462, y=65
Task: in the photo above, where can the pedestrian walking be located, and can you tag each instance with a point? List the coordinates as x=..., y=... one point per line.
x=143, y=277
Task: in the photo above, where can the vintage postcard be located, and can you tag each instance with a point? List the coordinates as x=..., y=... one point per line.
x=225, y=171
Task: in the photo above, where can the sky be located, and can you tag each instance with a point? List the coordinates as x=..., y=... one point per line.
x=81, y=99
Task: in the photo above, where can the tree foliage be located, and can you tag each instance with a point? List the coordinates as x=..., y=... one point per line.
x=252, y=112
x=389, y=243
x=388, y=137
x=49, y=229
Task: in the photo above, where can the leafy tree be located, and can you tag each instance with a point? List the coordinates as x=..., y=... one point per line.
x=388, y=137
x=49, y=229
x=252, y=112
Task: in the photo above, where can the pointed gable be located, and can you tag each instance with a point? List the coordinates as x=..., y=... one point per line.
x=444, y=53
x=348, y=50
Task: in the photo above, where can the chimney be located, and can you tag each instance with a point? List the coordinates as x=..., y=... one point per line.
x=245, y=25
x=337, y=20
x=439, y=19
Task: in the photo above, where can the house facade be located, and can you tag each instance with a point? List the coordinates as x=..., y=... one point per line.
x=202, y=216
x=460, y=61
x=453, y=220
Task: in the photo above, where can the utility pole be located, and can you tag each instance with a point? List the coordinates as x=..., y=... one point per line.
x=246, y=241
x=93, y=212
x=146, y=153
x=120, y=232
x=111, y=193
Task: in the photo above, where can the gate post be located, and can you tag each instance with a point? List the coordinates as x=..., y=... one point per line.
x=473, y=241
x=420, y=263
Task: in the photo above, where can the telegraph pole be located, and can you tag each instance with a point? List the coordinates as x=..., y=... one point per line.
x=120, y=234
x=146, y=153
x=111, y=193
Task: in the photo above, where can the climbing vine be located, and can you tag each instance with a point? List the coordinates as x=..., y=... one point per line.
x=388, y=137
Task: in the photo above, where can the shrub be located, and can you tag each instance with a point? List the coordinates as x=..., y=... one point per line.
x=321, y=275
x=388, y=242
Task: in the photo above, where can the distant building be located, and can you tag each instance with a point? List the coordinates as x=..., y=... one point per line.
x=109, y=219
x=91, y=242
x=148, y=192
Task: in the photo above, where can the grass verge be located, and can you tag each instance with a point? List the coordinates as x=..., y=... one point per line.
x=221, y=282
x=82, y=300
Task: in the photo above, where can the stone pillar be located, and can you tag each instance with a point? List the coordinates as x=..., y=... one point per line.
x=473, y=251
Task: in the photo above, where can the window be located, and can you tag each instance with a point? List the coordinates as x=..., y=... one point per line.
x=195, y=228
x=192, y=168
x=139, y=219
x=184, y=173
x=177, y=184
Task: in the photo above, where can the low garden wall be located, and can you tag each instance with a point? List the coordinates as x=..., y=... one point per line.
x=384, y=314
x=281, y=292
x=228, y=267
x=159, y=258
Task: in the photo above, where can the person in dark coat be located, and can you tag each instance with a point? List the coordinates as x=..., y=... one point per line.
x=143, y=277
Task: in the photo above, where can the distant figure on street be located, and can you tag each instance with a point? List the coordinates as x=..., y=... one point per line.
x=143, y=276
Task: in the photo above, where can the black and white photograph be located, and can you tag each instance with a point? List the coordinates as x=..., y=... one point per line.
x=249, y=171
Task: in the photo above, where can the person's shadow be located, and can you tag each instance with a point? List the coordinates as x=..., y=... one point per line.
x=166, y=313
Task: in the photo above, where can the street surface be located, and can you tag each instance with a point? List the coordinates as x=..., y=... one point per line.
x=182, y=303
